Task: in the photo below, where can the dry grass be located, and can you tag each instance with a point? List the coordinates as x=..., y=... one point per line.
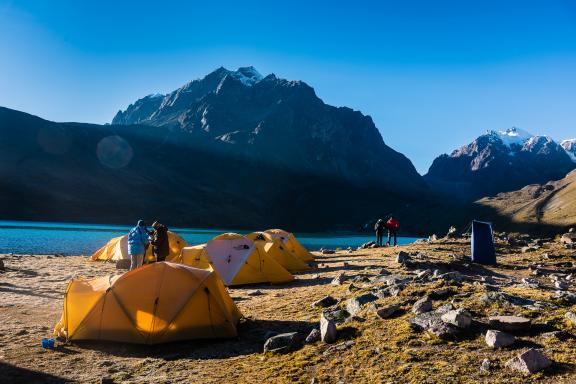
x=383, y=350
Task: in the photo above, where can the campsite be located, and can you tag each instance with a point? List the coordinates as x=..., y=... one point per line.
x=380, y=286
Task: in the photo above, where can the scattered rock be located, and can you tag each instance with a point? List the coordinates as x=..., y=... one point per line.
x=492, y=297
x=339, y=347
x=530, y=283
x=256, y=292
x=337, y=315
x=459, y=317
x=423, y=305
x=315, y=276
x=566, y=297
x=352, y=288
x=530, y=361
x=451, y=276
x=403, y=257
x=571, y=317
x=432, y=237
x=2, y=268
x=328, y=251
x=368, y=245
x=355, y=304
x=441, y=294
x=106, y=380
x=509, y=323
x=561, y=285
x=339, y=279
x=123, y=264
x=324, y=302
x=497, y=339
x=313, y=336
x=528, y=249
x=21, y=332
x=327, y=329
x=568, y=238
x=485, y=366
x=387, y=311
x=282, y=343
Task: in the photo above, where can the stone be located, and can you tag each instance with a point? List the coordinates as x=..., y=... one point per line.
x=451, y=276
x=337, y=315
x=328, y=251
x=485, y=366
x=568, y=238
x=432, y=237
x=528, y=249
x=2, y=268
x=459, y=317
x=339, y=348
x=324, y=302
x=422, y=305
x=571, y=317
x=387, y=311
x=107, y=380
x=493, y=297
x=561, y=285
x=498, y=339
x=355, y=304
x=313, y=336
x=339, y=279
x=566, y=297
x=282, y=343
x=432, y=322
x=451, y=233
x=123, y=264
x=530, y=283
x=255, y=292
x=442, y=293
x=403, y=257
x=328, y=332
x=352, y=288
x=509, y=323
x=530, y=361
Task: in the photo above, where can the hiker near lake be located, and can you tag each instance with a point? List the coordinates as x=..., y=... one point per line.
x=137, y=243
x=392, y=225
x=379, y=228
x=159, y=241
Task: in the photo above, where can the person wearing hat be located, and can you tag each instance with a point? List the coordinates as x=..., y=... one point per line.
x=159, y=241
x=379, y=228
x=137, y=243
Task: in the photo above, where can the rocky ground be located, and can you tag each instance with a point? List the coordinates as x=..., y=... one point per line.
x=417, y=313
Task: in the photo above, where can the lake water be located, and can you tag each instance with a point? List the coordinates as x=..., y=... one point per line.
x=24, y=237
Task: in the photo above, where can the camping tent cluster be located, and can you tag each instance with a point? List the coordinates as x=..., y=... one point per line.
x=182, y=298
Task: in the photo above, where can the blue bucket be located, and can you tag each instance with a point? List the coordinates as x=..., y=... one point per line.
x=47, y=343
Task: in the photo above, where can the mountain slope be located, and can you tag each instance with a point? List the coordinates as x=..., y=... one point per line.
x=279, y=122
x=117, y=174
x=498, y=162
x=549, y=204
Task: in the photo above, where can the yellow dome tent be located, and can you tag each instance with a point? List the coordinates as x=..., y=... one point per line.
x=237, y=260
x=117, y=249
x=291, y=244
x=157, y=303
x=275, y=249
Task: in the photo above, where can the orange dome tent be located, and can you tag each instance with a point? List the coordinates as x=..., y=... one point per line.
x=291, y=244
x=158, y=303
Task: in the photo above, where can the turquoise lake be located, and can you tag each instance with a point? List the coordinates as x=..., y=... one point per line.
x=25, y=237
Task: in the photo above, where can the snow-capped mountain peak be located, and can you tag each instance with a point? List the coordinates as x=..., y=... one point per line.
x=570, y=148
x=247, y=75
x=512, y=136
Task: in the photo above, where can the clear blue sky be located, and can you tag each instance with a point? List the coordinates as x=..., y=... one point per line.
x=432, y=74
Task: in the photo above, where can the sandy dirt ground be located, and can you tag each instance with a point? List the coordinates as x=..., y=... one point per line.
x=369, y=349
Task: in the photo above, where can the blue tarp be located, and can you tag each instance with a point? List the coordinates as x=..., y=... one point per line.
x=482, y=243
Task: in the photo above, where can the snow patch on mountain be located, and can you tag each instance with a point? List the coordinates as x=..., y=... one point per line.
x=512, y=136
x=570, y=148
x=247, y=75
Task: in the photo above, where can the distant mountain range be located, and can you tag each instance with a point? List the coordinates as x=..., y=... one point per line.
x=236, y=149
x=500, y=161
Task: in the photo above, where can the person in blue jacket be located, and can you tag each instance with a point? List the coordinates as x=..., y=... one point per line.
x=137, y=243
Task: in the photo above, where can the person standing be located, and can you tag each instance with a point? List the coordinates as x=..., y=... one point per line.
x=137, y=243
x=392, y=225
x=379, y=228
x=160, y=242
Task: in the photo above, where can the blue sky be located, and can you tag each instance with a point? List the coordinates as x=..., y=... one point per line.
x=432, y=74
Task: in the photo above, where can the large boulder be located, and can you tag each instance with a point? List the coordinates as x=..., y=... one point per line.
x=282, y=343
x=509, y=323
x=497, y=339
x=530, y=361
x=458, y=317
x=423, y=305
x=328, y=332
x=355, y=304
x=387, y=311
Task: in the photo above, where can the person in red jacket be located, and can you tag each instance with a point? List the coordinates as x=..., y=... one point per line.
x=392, y=225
